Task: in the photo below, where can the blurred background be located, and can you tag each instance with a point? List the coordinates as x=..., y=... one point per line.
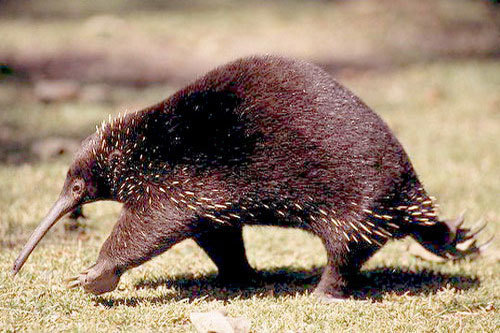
x=66, y=64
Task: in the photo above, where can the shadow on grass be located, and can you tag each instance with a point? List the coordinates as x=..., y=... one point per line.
x=370, y=284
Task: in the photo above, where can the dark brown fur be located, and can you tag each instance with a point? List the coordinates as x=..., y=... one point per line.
x=262, y=140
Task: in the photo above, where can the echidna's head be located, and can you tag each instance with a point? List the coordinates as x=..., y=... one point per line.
x=85, y=182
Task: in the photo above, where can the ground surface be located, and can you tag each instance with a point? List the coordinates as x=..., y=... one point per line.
x=445, y=111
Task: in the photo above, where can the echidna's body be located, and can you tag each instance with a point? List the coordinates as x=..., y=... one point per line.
x=262, y=140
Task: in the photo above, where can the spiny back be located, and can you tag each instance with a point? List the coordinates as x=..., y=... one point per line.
x=272, y=129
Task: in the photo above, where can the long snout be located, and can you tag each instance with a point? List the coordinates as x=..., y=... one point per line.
x=62, y=206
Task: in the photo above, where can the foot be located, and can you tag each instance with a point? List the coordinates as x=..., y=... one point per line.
x=330, y=298
x=98, y=279
x=333, y=286
x=460, y=242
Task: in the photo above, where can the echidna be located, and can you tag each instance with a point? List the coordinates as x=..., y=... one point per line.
x=262, y=140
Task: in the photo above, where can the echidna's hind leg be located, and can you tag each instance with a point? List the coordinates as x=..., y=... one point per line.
x=224, y=245
x=344, y=260
x=334, y=283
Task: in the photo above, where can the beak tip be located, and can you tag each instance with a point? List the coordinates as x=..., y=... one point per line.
x=15, y=268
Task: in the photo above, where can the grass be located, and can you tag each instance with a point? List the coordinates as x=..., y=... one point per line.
x=446, y=112
x=446, y=115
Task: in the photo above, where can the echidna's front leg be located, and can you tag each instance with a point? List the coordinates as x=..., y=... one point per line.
x=136, y=238
x=98, y=279
x=224, y=245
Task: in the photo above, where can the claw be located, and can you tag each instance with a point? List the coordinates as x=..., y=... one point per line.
x=466, y=234
x=87, y=270
x=454, y=227
x=466, y=245
x=486, y=244
x=461, y=242
x=73, y=278
x=470, y=248
x=481, y=224
x=459, y=220
x=73, y=283
x=95, y=280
